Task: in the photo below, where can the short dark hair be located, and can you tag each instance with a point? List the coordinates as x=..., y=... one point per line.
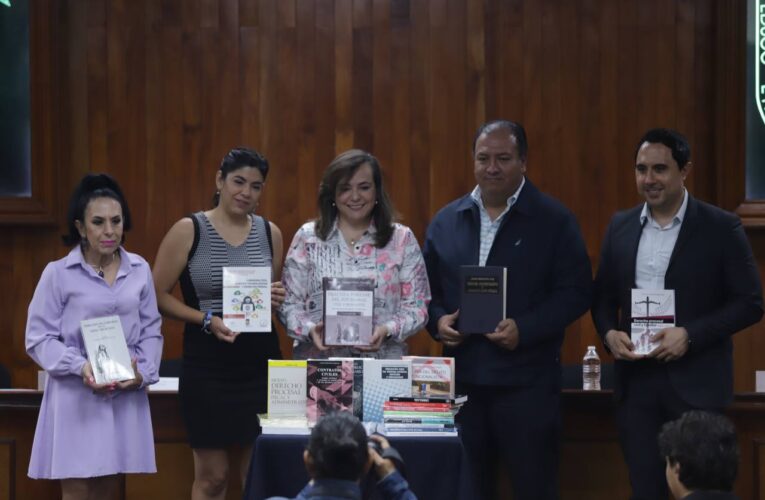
x=674, y=140
x=705, y=446
x=515, y=129
x=338, y=447
x=238, y=158
x=90, y=187
x=342, y=168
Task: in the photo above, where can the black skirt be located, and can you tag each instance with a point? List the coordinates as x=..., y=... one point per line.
x=223, y=387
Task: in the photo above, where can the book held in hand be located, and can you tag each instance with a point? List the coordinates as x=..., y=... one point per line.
x=247, y=299
x=348, y=311
x=483, y=294
x=107, y=350
x=652, y=310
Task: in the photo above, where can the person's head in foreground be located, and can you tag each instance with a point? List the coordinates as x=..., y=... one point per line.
x=701, y=452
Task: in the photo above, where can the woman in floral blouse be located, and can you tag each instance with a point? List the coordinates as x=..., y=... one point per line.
x=355, y=236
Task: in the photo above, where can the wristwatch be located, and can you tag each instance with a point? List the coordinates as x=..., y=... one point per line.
x=206, y=323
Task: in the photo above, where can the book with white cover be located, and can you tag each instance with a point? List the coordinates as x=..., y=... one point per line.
x=295, y=426
x=107, y=350
x=384, y=378
x=286, y=388
x=247, y=298
x=652, y=310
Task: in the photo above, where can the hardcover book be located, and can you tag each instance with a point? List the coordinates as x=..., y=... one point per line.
x=329, y=387
x=383, y=378
x=652, y=310
x=458, y=399
x=483, y=293
x=432, y=375
x=107, y=350
x=286, y=388
x=247, y=299
x=348, y=311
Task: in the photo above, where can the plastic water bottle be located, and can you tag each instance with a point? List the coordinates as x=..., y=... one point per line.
x=591, y=370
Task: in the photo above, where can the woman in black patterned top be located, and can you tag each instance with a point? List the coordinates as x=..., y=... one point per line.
x=224, y=373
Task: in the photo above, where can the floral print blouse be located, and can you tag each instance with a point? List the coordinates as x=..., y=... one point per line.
x=402, y=292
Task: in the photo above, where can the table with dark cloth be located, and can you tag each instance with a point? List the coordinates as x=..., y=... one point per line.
x=436, y=467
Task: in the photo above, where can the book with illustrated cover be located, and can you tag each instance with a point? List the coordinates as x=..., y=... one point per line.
x=107, y=350
x=652, y=310
x=382, y=379
x=348, y=311
x=432, y=375
x=483, y=294
x=329, y=387
x=247, y=298
x=358, y=385
x=286, y=388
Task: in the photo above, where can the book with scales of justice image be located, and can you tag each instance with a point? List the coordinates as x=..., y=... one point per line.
x=107, y=350
x=348, y=311
x=247, y=298
x=652, y=310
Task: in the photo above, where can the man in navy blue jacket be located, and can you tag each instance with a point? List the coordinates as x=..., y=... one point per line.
x=672, y=241
x=512, y=374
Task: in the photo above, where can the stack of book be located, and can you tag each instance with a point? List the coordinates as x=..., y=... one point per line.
x=407, y=415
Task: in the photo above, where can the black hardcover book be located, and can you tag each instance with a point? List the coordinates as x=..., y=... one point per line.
x=408, y=398
x=483, y=295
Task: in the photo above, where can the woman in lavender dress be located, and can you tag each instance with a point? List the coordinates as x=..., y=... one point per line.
x=87, y=434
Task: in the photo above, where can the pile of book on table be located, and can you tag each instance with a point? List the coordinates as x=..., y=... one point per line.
x=423, y=415
x=300, y=392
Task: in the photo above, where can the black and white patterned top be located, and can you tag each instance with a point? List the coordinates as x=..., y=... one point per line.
x=210, y=253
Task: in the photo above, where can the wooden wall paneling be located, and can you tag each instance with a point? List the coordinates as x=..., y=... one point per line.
x=382, y=97
x=630, y=107
x=705, y=178
x=400, y=166
x=546, y=150
x=285, y=118
x=343, y=76
x=362, y=96
x=7, y=469
x=727, y=77
x=442, y=110
x=422, y=196
x=126, y=94
x=528, y=104
x=308, y=169
x=74, y=109
x=97, y=98
x=475, y=70
x=325, y=101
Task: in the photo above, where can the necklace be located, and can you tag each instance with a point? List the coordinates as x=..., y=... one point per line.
x=100, y=269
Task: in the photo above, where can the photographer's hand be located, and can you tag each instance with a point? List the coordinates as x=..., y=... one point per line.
x=383, y=466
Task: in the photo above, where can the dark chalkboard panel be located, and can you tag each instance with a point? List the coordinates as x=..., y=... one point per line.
x=15, y=132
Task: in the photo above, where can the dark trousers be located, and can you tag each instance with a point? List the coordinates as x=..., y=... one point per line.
x=649, y=401
x=519, y=426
